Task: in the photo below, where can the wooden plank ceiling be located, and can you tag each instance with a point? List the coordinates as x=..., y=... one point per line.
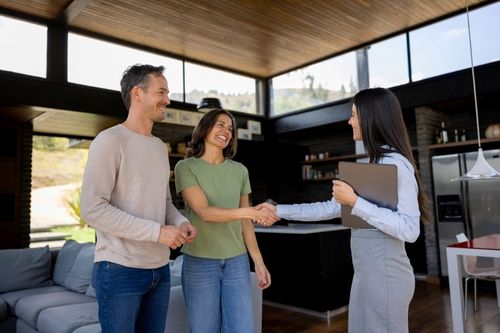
x=260, y=38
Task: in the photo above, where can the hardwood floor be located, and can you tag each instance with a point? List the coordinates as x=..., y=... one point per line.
x=430, y=312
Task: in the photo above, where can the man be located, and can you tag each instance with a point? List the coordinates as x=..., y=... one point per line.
x=126, y=198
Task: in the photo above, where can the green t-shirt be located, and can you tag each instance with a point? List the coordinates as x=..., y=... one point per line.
x=223, y=185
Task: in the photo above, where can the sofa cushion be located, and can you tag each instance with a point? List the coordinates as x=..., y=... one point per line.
x=28, y=308
x=94, y=328
x=67, y=270
x=3, y=309
x=90, y=291
x=11, y=298
x=67, y=318
x=78, y=278
x=22, y=327
x=176, y=271
x=65, y=260
x=176, y=320
x=25, y=268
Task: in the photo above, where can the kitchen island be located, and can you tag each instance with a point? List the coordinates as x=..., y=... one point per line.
x=310, y=265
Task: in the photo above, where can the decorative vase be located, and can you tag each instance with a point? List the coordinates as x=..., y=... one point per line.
x=493, y=131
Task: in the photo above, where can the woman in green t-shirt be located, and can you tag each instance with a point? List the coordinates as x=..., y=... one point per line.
x=216, y=270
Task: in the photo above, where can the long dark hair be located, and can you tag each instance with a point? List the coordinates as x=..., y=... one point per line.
x=196, y=146
x=381, y=122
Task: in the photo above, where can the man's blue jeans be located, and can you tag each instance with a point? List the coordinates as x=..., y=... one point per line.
x=131, y=299
x=218, y=294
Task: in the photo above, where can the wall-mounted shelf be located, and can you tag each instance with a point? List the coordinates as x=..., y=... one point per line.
x=176, y=155
x=462, y=144
x=335, y=158
x=345, y=157
x=322, y=179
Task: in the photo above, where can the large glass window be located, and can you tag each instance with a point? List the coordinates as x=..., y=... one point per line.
x=56, y=181
x=439, y=48
x=23, y=47
x=443, y=47
x=101, y=64
x=236, y=92
x=388, y=62
x=326, y=81
x=485, y=33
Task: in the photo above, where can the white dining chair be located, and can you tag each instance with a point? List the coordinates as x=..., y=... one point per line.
x=474, y=272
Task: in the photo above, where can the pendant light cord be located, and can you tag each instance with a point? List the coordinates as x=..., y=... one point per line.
x=473, y=75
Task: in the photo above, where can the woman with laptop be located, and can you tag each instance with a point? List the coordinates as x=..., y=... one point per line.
x=383, y=282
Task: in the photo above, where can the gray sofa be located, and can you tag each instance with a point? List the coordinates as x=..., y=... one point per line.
x=40, y=293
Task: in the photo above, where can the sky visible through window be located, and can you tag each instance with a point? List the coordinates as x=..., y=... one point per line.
x=112, y=59
x=436, y=49
x=101, y=64
x=23, y=47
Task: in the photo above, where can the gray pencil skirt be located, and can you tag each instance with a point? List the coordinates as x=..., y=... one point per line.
x=383, y=283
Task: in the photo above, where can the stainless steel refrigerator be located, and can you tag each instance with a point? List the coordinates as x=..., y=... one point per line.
x=472, y=207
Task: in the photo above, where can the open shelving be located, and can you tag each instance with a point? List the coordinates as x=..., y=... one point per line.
x=335, y=158
x=348, y=157
x=463, y=144
x=176, y=155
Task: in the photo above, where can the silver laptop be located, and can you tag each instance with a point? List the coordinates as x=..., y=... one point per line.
x=377, y=183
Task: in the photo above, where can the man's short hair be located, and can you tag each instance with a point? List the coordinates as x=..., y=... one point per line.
x=137, y=75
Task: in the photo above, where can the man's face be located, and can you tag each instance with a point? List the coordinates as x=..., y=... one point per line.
x=155, y=98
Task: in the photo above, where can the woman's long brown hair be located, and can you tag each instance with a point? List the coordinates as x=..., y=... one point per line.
x=381, y=122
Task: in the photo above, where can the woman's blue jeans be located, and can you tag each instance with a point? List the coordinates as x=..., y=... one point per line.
x=218, y=294
x=131, y=299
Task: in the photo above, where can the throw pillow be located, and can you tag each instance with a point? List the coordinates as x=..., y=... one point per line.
x=65, y=260
x=25, y=268
x=78, y=278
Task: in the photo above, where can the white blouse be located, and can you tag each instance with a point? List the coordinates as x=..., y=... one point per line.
x=404, y=223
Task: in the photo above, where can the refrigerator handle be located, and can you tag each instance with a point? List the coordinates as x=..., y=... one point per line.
x=464, y=193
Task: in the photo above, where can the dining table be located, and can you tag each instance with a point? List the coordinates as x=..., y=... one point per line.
x=485, y=246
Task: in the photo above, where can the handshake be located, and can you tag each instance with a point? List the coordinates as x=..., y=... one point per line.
x=263, y=214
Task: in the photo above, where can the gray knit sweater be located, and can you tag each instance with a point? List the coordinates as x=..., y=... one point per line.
x=126, y=197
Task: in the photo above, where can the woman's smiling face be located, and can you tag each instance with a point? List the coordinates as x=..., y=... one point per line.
x=221, y=134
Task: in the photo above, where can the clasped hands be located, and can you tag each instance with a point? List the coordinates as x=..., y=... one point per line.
x=264, y=214
x=175, y=237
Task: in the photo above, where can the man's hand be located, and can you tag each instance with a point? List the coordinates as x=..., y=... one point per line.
x=189, y=230
x=172, y=236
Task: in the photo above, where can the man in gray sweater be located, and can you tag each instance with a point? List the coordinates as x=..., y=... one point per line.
x=126, y=198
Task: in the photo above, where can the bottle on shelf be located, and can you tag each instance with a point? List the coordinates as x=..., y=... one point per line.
x=307, y=172
x=463, y=135
x=456, y=136
x=444, y=133
x=437, y=137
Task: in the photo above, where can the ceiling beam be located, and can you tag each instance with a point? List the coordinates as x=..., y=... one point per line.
x=71, y=11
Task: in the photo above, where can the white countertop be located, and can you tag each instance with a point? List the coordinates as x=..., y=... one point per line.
x=299, y=228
